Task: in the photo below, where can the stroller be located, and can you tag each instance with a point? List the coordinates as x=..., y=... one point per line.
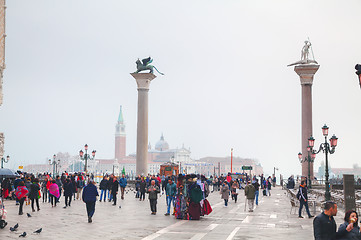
x=4, y=173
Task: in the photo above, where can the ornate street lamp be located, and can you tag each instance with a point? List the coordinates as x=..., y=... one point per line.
x=4, y=160
x=55, y=165
x=86, y=157
x=327, y=148
x=310, y=158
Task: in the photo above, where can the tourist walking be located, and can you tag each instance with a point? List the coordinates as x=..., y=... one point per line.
x=350, y=229
x=68, y=192
x=302, y=197
x=44, y=190
x=109, y=186
x=171, y=190
x=235, y=188
x=142, y=189
x=249, y=192
x=269, y=185
x=225, y=193
x=53, y=193
x=115, y=188
x=60, y=185
x=153, y=191
x=20, y=194
x=103, y=186
x=122, y=184
x=324, y=225
x=89, y=196
x=79, y=186
x=34, y=194
x=256, y=187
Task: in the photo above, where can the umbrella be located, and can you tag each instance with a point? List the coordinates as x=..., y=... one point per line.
x=8, y=173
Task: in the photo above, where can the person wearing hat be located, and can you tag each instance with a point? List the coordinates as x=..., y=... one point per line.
x=249, y=192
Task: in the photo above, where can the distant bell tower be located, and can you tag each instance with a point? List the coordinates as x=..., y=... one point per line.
x=120, y=137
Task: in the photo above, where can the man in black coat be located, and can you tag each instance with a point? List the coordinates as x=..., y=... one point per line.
x=115, y=188
x=324, y=225
x=103, y=187
x=302, y=196
x=109, y=186
x=68, y=192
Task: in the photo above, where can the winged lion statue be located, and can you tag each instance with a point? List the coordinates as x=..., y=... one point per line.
x=145, y=65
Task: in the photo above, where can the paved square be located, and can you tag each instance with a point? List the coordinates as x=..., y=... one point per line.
x=270, y=220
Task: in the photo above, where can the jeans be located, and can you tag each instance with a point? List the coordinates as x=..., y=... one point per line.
x=226, y=202
x=110, y=196
x=103, y=191
x=302, y=202
x=256, y=195
x=90, y=208
x=170, y=200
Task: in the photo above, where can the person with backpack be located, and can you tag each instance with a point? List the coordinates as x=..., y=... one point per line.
x=21, y=192
x=302, y=197
x=79, y=186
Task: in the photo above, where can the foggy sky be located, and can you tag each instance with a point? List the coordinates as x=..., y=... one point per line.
x=226, y=82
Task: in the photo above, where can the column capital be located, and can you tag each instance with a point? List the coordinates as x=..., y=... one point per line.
x=143, y=80
x=306, y=72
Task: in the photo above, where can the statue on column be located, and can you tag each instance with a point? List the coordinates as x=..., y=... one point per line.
x=145, y=65
x=305, y=55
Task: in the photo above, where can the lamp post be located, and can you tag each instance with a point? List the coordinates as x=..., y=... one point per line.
x=274, y=175
x=310, y=158
x=4, y=160
x=327, y=148
x=86, y=156
x=172, y=162
x=55, y=165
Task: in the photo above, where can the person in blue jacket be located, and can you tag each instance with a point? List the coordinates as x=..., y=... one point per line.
x=122, y=184
x=171, y=190
x=89, y=196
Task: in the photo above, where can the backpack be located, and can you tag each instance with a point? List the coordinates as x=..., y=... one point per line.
x=298, y=195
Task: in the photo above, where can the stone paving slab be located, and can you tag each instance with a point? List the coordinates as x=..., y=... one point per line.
x=270, y=220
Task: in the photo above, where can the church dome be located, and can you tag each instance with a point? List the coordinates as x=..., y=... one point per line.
x=161, y=145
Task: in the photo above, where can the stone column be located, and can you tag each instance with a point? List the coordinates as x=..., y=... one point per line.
x=143, y=82
x=306, y=73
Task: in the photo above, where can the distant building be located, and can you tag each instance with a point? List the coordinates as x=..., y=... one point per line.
x=156, y=157
x=161, y=154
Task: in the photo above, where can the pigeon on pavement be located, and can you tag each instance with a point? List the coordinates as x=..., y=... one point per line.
x=28, y=214
x=38, y=231
x=23, y=234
